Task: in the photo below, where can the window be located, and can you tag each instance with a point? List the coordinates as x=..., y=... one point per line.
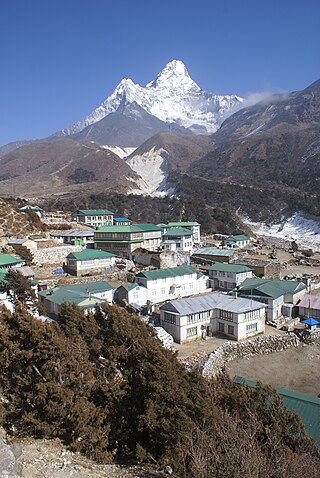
x=252, y=314
x=251, y=328
x=163, y=291
x=191, y=286
x=230, y=329
x=221, y=327
x=154, y=292
x=192, y=331
x=171, y=318
x=226, y=315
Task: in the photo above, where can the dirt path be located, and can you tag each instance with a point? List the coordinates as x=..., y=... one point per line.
x=296, y=369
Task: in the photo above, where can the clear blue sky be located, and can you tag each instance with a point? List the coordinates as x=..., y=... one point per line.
x=61, y=58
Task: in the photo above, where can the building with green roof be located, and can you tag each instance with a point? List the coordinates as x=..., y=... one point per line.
x=214, y=254
x=306, y=406
x=86, y=295
x=238, y=240
x=227, y=276
x=124, y=240
x=159, y=285
x=89, y=261
x=194, y=227
x=182, y=237
x=8, y=261
x=94, y=217
x=279, y=295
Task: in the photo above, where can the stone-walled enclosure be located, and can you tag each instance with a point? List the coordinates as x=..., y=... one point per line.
x=234, y=350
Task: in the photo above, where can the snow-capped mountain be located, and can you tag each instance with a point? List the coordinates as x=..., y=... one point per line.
x=173, y=97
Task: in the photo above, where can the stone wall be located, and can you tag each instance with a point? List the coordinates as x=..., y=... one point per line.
x=234, y=350
x=55, y=255
x=311, y=337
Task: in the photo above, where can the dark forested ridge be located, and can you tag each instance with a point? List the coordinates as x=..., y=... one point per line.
x=106, y=388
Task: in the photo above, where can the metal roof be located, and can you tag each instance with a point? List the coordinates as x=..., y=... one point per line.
x=310, y=302
x=89, y=254
x=212, y=251
x=223, y=267
x=8, y=260
x=177, y=232
x=270, y=287
x=306, y=406
x=202, y=303
x=129, y=228
x=75, y=293
x=73, y=233
x=121, y=219
x=183, y=224
x=18, y=241
x=94, y=212
x=239, y=237
x=170, y=272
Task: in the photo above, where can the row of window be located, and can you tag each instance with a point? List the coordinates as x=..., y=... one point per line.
x=226, y=315
x=192, y=318
x=252, y=314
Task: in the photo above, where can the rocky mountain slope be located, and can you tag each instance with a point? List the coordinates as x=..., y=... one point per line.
x=173, y=97
x=53, y=167
x=162, y=154
x=129, y=126
x=276, y=141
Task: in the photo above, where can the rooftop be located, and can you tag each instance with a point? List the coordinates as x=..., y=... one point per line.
x=177, y=232
x=310, y=301
x=183, y=224
x=306, y=406
x=8, y=260
x=95, y=212
x=212, y=251
x=76, y=293
x=223, y=267
x=130, y=228
x=206, y=302
x=73, y=233
x=270, y=287
x=89, y=254
x=170, y=272
x=239, y=237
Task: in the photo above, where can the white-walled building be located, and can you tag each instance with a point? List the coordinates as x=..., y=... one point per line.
x=89, y=261
x=279, y=295
x=181, y=236
x=233, y=317
x=86, y=295
x=159, y=285
x=192, y=225
x=228, y=276
x=94, y=217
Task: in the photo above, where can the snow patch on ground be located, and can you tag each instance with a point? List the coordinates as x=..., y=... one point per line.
x=119, y=151
x=306, y=232
x=153, y=169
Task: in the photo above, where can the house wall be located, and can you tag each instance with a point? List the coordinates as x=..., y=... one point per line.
x=186, y=328
x=172, y=287
x=79, y=268
x=95, y=221
x=228, y=280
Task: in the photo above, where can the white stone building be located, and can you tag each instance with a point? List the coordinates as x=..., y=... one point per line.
x=227, y=276
x=159, y=285
x=181, y=236
x=233, y=317
x=89, y=261
x=94, y=217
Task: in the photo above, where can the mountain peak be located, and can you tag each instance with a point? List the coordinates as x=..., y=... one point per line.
x=174, y=72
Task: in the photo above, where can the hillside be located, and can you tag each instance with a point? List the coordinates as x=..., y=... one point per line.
x=54, y=167
x=14, y=223
x=275, y=141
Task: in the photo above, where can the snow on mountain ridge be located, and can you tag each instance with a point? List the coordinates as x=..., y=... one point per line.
x=172, y=97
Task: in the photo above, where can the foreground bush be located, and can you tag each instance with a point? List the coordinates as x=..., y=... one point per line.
x=104, y=385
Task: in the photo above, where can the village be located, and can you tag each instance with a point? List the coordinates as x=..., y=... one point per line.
x=213, y=300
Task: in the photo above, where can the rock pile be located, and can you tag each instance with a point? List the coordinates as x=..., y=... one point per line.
x=233, y=350
x=311, y=337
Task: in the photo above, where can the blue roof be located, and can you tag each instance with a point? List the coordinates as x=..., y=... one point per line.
x=120, y=219
x=310, y=321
